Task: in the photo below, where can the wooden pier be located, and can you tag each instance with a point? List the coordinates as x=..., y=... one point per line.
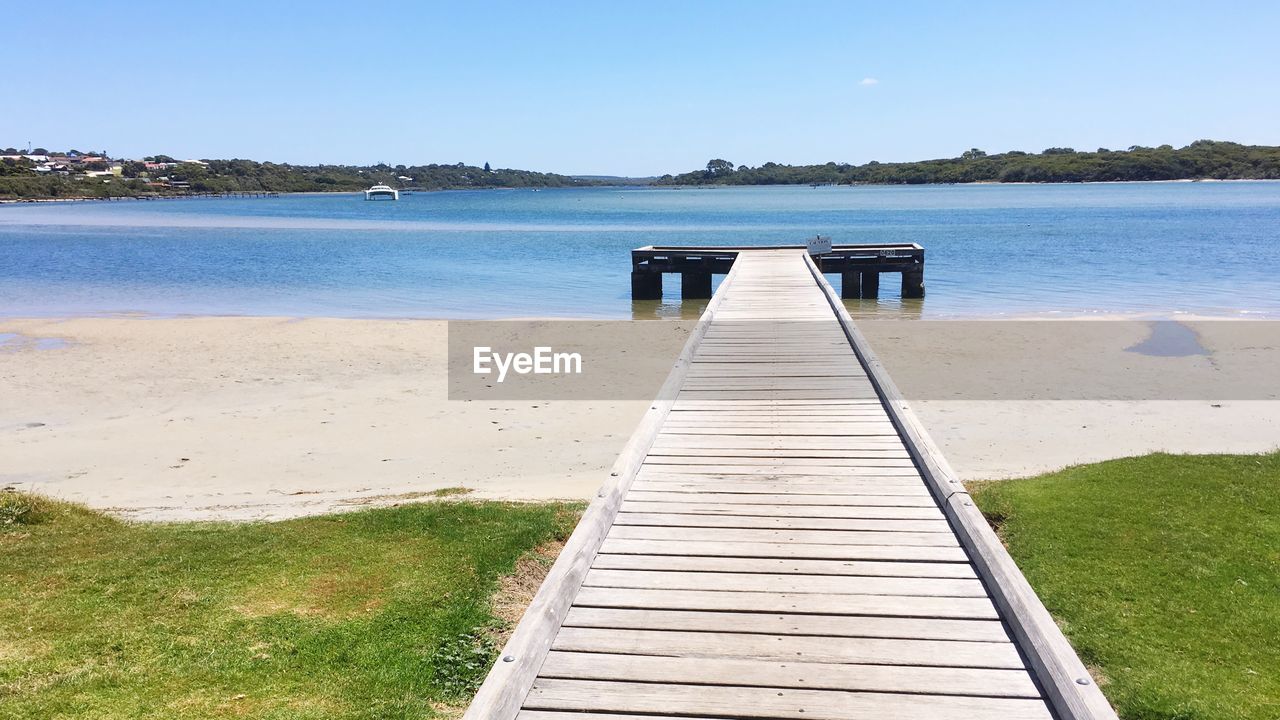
x=780, y=539
x=859, y=266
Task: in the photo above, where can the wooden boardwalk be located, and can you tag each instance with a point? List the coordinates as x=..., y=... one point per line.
x=781, y=540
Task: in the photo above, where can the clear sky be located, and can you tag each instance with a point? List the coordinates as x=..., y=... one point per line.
x=636, y=88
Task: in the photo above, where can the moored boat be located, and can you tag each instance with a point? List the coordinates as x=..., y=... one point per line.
x=381, y=192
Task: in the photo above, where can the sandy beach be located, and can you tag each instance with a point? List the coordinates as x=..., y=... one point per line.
x=253, y=418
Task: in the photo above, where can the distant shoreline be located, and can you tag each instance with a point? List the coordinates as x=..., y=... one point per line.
x=250, y=196
x=59, y=176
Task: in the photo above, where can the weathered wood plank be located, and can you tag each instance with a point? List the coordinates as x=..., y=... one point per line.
x=771, y=377
x=785, y=583
x=851, y=626
x=730, y=458
x=799, y=482
x=780, y=565
x=878, y=427
x=788, y=442
x=789, y=674
x=881, y=453
x=923, y=553
x=711, y=700
x=780, y=485
x=762, y=419
x=758, y=535
x=696, y=506
x=797, y=648
x=781, y=467
x=778, y=523
x=784, y=499
x=732, y=403
x=814, y=603
x=818, y=394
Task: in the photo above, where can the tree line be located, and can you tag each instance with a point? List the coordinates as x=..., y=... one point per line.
x=17, y=179
x=1203, y=159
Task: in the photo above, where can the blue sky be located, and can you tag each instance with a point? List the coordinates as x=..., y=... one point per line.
x=633, y=88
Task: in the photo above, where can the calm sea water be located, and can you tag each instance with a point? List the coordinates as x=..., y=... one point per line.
x=1156, y=248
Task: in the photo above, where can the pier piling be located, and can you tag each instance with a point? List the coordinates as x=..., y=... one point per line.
x=870, y=285
x=695, y=285
x=850, y=285
x=646, y=285
x=913, y=284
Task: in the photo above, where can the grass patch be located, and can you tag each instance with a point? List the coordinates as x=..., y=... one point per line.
x=1164, y=571
x=18, y=509
x=382, y=613
x=450, y=492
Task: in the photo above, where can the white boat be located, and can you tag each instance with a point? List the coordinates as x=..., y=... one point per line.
x=382, y=192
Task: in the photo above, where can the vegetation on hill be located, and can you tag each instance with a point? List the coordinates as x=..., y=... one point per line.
x=232, y=175
x=1164, y=572
x=385, y=613
x=18, y=181
x=1203, y=159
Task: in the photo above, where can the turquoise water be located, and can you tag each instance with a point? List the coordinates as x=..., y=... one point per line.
x=1155, y=248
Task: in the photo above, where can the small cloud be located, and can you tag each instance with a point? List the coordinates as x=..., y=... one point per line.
x=869, y=81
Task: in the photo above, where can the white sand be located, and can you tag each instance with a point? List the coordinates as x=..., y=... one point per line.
x=240, y=418
x=1014, y=398
x=267, y=418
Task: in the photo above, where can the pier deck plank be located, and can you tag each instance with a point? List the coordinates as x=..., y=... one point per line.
x=771, y=550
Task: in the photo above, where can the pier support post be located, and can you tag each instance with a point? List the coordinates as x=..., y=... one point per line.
x=870, y=285
x=695, y=285
x=913, y=284
x=646, y=285
x=850, y=285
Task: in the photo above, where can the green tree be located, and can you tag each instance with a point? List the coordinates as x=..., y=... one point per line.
x=718, y=167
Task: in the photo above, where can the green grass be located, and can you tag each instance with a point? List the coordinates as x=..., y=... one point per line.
x=1164, y=572
x=376, y=614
